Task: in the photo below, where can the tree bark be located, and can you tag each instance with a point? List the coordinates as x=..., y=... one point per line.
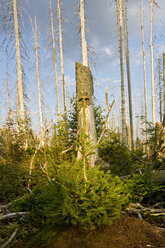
x=107, y=108
x=38, y=82
x=128, y=75
x=7, y=96
x=84, y=90
x=123, y=90
x=160, y=91
x=18, y=58
x=142, y=114
x=61, y=57
x=164, y=86
x=83, y=39
x=54, y=55
x=152, y=68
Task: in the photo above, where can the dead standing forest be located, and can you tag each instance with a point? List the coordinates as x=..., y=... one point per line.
x=80, y=179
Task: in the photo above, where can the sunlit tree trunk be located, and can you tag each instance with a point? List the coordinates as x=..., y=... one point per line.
x=84, y=50
x=119, y=112
x=152, y=68
x=7, y=97
x=38, y=82
x=107, y=108
x=128, y=75
x=164, y=86
x=144, y=69
x=142, y=114
x=18, y=58
x=123, y=90
x=61, y=56
x=17, y=111
x=137, y=124
x=54, y=54
x=85, y=91
x=160, y=91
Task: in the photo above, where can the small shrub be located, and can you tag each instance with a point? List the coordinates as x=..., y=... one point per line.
x=67, y=199
x=140, y=186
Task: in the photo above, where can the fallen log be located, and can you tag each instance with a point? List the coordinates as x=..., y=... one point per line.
x=12, y=215
x=10, y=239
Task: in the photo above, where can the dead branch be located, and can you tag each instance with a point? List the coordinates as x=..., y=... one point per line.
x=12, y=215
x=105, y=122
x=156, y=4
x=39, y=146
x=10, y=239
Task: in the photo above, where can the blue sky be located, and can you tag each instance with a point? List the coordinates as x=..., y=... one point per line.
x=102, y=36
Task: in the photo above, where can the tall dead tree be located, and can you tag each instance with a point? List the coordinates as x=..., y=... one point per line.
x=164, y=86
x=54, y=54
x=61, y=56
x=137, y=124
x=121, y=50
x=160, y=91
x=152, y=68
x=119, y=112
x=11, y=15
x=35, y=34
x=18, y=58
x=84, y=92
x=142, y=114
x=17, y=108
x=144, y=71
x=7, y=97
x=128, y=75
x=107, y=109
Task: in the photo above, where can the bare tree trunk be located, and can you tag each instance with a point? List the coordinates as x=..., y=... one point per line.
x=54, y=54
x=160, y=91
x=164, y=85
x=142, y=114
x=119, y=113
x=38, y=81
x=83, y=39
x=17, y=104
x=18, y=57
x=84, y=89
x=152, y=68
x=107, y=109
x=61, y=57
x=7, y=96
x=137, y=125
x=144, y=69
x=123, y=90
x=128, y=75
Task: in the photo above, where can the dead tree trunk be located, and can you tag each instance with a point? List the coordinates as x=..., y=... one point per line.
x=54, y=55
x=38, y=81
x=123, y=90
x=61, y=57
x=84, y=90
x=7, y=96
x=18, y=57
x=164, y=86
x=142, y=114
x=144, y=69
x=128, y=75
x=83, y=39
x=160, y=91
x=17, y=111
x=152, y=68
x=107, y=108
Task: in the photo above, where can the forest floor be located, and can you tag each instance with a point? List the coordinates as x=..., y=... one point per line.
x=126, y=232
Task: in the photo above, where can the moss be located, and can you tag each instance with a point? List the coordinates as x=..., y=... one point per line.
x=84, y=85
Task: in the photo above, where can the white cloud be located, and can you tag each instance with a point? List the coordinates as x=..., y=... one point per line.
x=107, y=50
